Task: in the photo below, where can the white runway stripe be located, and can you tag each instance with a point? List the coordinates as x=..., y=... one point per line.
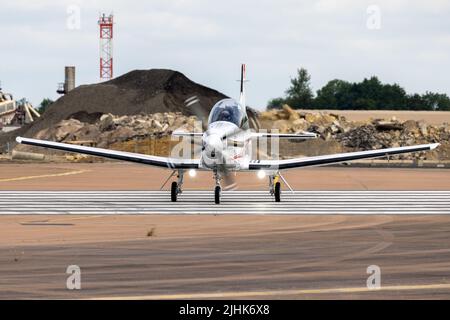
x=233, y=202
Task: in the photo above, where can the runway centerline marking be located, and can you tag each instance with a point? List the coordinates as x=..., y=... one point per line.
x=271, y=293
x=70, y=173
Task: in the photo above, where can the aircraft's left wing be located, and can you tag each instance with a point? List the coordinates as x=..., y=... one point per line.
x=335, y=158
x=302, y=135
x=170, y=163
x=187, y=134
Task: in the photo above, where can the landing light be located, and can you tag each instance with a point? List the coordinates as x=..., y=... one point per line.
x=261, y=174
x=192, y=173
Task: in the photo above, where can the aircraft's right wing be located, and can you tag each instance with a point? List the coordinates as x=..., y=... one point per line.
x=163, y=162
x=335, y=158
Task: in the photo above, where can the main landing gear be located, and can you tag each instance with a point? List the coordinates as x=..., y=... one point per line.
x=275, y=187
x=217, y=191
x=176, y=187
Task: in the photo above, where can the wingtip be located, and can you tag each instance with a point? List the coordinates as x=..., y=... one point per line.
x=310, y=134
x=434, y=146
x=19, y=139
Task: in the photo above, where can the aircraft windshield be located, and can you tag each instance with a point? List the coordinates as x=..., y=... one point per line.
x=226, y=110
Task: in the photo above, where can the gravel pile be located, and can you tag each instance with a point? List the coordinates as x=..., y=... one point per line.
x=137, y=92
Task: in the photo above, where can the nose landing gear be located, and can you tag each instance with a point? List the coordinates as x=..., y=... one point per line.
x=218, y=188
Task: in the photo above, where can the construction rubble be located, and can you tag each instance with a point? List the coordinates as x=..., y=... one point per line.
x=110, y=129
x=372, y=134
x=138, y=112
x=336, y=133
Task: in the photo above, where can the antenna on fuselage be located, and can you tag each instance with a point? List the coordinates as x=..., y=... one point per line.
x=242, y=93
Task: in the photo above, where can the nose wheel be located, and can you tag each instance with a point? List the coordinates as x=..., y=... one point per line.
x=218, y=188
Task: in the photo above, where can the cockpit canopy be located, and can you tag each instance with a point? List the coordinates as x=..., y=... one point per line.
x=227, y=110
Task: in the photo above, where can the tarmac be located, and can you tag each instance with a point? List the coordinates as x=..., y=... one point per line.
x=232, y=202
x=223, y=254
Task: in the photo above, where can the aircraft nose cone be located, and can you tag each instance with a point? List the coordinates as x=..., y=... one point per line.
x=214, y=144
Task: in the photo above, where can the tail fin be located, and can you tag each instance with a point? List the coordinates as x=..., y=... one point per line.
x=243, y=80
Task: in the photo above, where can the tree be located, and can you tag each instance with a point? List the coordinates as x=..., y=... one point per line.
x=368, y=94
x=414, y=102
x=44, y=105
x=436, y=101
x=276, y=103
x=334, y=95
x=300, y=95
x=393, y=97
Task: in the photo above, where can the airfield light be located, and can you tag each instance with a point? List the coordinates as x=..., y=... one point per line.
x=192, y=173
x=261, y=174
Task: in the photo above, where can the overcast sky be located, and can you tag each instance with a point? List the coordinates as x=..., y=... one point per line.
x=407, y=42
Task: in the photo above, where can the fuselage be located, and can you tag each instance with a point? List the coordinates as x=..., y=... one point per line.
x=226, y=142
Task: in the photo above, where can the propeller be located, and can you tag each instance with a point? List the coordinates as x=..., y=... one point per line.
x=253, y=119
x=217, y=152
x=195, y=108
x=229, y=177
x=194, y=105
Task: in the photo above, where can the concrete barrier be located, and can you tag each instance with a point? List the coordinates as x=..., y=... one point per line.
x=19, y=155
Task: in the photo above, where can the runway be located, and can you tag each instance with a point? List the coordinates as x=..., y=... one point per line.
x=225, y=256
x=233, y=202
x=131, y=243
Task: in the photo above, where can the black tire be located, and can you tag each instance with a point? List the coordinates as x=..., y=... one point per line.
x=174, y=191
x=277, y=192
x=217, y=194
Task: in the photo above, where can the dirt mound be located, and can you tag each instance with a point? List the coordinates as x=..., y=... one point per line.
x=137, y=92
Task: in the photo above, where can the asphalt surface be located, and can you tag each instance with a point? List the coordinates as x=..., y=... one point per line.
x=223, y=255
x=234, y=257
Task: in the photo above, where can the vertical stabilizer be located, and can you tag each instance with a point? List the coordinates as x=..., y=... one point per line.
x=243, y=80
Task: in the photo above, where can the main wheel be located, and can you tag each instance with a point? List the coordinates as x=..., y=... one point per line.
x=217, y=194
x=174, y=191
x=277, y=192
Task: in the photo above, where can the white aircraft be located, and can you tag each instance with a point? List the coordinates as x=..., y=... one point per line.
x=226, y=148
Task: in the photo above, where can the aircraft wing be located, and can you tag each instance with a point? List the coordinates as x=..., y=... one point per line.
x=187, y=134
x=301, y=135
x=335, y=158
x=170, y=163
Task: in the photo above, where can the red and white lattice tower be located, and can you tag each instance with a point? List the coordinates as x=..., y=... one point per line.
x=106, y=46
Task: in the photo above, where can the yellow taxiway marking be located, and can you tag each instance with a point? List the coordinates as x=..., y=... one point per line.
x=44, y=176
x=218, y=295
